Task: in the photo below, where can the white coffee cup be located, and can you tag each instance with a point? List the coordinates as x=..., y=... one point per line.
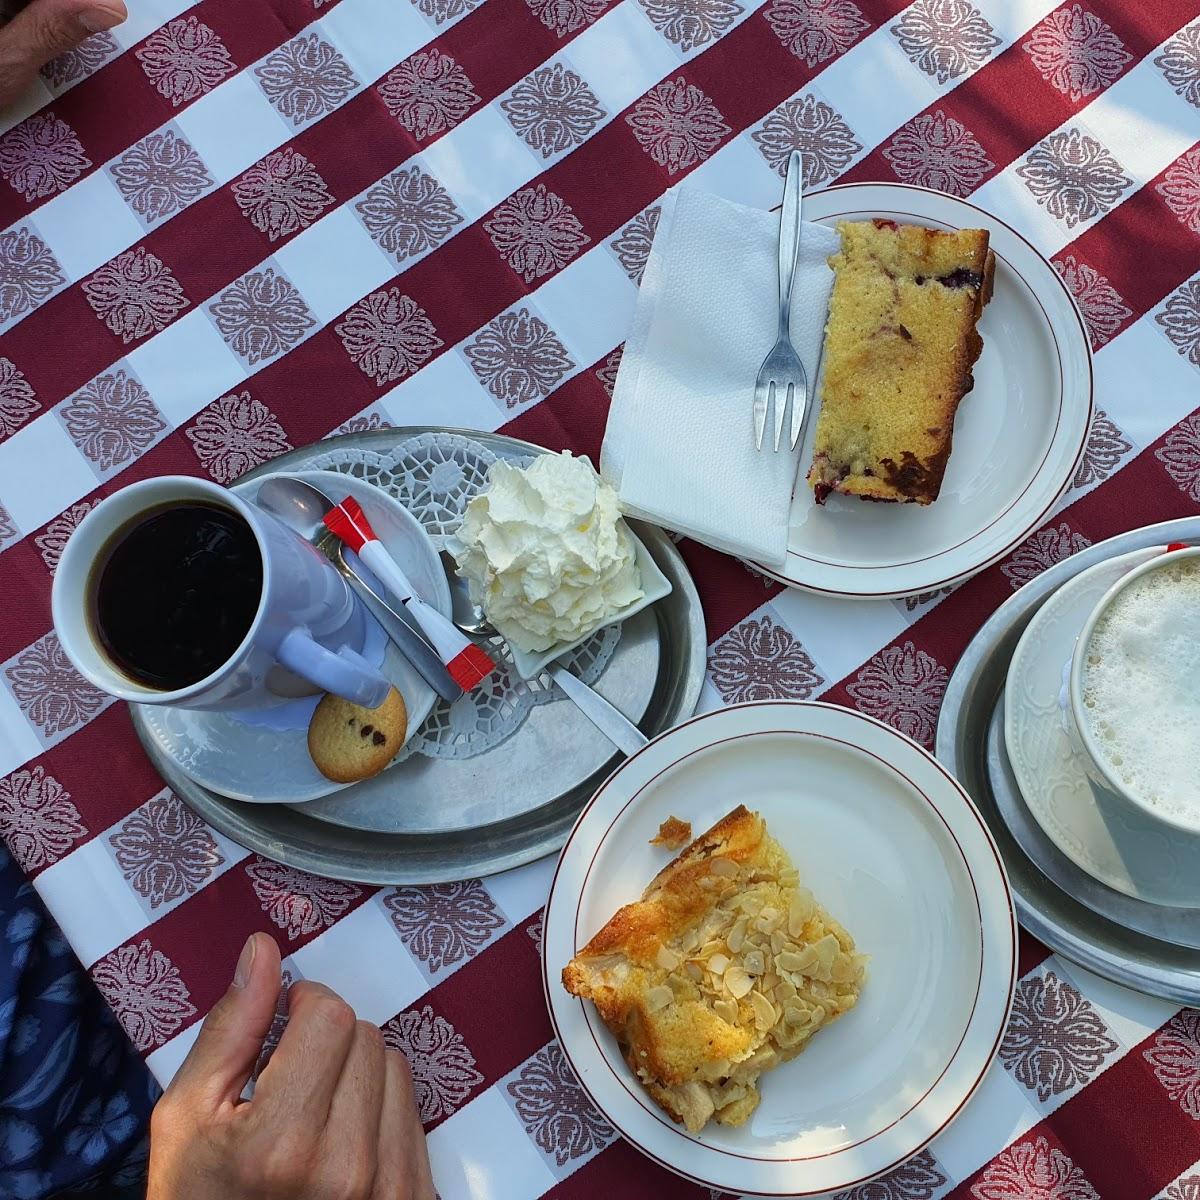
x=307, y=632
x=1108, y=786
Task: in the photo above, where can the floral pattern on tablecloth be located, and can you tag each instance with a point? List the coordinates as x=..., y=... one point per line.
x=295, y=226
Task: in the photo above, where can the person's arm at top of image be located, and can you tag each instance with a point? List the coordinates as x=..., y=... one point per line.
x=44, y=29
x=333, y=1115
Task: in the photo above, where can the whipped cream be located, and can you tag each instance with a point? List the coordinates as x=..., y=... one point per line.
x=546, y=552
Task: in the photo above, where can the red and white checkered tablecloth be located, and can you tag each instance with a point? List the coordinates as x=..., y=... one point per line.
x=230, y=229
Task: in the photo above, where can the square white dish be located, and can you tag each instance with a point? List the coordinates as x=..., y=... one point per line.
x=655, y=585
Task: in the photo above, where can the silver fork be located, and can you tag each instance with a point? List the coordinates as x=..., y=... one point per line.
x=782, y=377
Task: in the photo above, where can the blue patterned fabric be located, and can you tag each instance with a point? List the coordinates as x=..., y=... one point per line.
x=75, y=1098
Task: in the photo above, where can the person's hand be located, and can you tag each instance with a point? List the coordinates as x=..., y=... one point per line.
x=43, y=30
x=332, y=1118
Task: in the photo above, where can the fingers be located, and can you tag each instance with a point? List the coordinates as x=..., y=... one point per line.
x=306, y=1066
x=231, y=1038
x=403, y=1167
x=45, y=29
x=352, y=1135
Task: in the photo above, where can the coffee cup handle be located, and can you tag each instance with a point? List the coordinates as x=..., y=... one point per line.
x=345, y=674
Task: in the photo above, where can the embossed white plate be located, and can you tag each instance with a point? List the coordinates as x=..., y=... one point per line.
x=1018, y=433
x=1126, y=853
x=264, y=765
x=893, y=847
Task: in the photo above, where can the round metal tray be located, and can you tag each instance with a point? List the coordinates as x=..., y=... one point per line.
x=1052, y=911
x=428, y=820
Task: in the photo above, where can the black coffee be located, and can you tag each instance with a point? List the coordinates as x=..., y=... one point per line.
x=175, y=592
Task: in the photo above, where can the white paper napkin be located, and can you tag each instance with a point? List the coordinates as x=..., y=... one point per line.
x=679, y=448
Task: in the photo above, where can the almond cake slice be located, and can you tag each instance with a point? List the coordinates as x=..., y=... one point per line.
x=900, y=344
x=724, y=969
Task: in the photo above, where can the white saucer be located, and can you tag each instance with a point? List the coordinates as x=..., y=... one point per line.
x=1118, y=847
x=266, y=761
x=1018, y=433
x=893, y=848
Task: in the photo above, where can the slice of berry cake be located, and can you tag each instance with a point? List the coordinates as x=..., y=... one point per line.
x=900, y=343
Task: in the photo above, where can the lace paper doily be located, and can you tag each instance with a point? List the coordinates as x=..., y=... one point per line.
x=435, y=476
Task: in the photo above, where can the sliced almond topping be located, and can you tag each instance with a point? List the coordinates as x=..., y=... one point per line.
x=723, y=866
x=763, y=1059
x=827, y=950
x=764, y=1011
x=785, y=991
x=842, y=970
x=695, y=971
x=839, y=931
x=788, y=1036
x=737, y=935
x=800, y=908
x=657, y=998
x=796, y=960
x=738, y=982
x=754, y=962
x=793, y=1014
x=778, y=941
x=718, y=964
x=667, y=958
x=715, y=946
x=682, y=986
x=759, y=937
x=727, y=1010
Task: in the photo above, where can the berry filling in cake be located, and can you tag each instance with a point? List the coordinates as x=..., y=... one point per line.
x=900, y=344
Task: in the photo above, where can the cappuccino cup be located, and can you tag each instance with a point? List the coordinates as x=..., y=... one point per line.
x=1134, y=692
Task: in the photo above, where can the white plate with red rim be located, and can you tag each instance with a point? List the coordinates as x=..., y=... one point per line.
x=892, y=846
x=1018, y=435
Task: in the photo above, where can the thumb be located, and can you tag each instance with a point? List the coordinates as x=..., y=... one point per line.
x=44, y=29
x=231, y=1038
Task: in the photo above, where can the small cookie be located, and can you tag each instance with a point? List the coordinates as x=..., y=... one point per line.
x=348, y=742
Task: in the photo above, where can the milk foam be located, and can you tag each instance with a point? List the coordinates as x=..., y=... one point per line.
x=1141, y=688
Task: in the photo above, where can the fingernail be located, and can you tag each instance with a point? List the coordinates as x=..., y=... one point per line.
x=97, y=20
x=241, y=975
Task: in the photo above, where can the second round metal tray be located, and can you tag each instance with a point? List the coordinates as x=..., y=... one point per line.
x=1065, y=924
x=427, y=820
